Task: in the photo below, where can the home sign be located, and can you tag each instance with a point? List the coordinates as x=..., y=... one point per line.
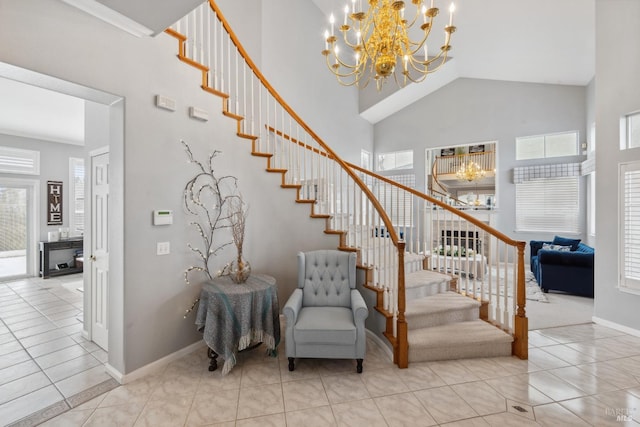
x=54, y=202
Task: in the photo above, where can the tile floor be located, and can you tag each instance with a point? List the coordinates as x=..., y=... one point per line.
x=46, y=367
x=576, y=376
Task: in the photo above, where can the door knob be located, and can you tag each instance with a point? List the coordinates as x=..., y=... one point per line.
x=92, y=257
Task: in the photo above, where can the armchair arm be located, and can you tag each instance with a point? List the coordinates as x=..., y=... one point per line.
x=360, y=310
x=292, y=307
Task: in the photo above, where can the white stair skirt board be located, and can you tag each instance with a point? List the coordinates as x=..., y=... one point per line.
x=463, y=340
x=441, y=309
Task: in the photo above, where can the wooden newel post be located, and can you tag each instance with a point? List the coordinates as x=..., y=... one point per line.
x=402, y=357
x=520, y=346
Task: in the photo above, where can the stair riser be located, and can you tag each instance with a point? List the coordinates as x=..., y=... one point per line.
x=453, y=352
x=429, y=320
x=426, y=290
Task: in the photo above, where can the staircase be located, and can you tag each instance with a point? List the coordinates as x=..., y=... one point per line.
x=436, y=303
x=436, y=315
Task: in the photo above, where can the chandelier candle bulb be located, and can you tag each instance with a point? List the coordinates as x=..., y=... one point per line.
x=346, y=14
x=452, y=8
x=332, y=21
x=424, y=14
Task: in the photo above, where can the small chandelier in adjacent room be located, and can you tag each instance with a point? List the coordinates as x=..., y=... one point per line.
x=470, y=171
x=381, y=45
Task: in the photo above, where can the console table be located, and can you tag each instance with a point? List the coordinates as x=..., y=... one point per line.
x=47, y=247
x=233, y=317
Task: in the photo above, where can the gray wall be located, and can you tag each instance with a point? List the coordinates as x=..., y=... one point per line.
x=304, y=80
x=617, y=93
x=54, y=166
x=469, y=111
x=148, y=301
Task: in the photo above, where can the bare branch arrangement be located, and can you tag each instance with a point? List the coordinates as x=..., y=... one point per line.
x=238, y=215
x=205, y=197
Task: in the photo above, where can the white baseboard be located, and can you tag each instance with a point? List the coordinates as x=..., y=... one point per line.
x=153, y=366
x=384, y=346
x=616, y=326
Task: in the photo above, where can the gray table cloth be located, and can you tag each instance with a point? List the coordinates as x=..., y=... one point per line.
x=234, y=316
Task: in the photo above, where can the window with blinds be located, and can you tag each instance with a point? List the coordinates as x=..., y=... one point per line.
x=630, y=131
x=630, y=230
x=398, y=204
x=548, y=204
x=76, y=194
x=15, y=160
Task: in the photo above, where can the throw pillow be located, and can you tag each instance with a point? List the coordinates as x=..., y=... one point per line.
x=552, y=247
x=557, y=240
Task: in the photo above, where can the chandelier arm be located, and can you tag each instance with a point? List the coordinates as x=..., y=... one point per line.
x=420, y=44
x=346, y=41
x=343, y=64
x=339, y=75
x=415, y=17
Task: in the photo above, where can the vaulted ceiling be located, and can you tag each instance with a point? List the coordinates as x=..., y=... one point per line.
x=546, y=41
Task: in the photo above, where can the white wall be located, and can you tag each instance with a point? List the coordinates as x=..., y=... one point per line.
x=617, y=92
x=151, y=296
x=470, y=111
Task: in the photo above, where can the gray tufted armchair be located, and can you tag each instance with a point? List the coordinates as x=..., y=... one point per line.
x=325, y=314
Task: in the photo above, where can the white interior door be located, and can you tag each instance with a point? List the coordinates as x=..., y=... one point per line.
x=99, y=258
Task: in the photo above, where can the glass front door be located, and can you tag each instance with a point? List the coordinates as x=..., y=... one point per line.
x=14, y=226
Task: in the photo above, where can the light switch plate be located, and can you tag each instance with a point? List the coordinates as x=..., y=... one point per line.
x=163, y=248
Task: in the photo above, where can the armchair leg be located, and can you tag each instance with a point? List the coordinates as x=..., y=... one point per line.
x=359, y=366
x=291, y=364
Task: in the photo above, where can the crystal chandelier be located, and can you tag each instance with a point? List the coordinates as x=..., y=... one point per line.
x=470, y=172
x=381, y=45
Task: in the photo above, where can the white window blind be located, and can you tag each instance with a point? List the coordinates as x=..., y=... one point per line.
x=630, y=229
x=15, y=160
x=549, y=204
x=398, y=204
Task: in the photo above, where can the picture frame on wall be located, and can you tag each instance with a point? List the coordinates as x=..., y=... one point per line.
x=447, y=152
x=476, y=148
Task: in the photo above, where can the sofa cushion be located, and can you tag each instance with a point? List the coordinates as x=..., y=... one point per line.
x=557, y=240
x=552, y=247
x=325, y=325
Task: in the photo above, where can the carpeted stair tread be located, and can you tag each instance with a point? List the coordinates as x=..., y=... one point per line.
x=439, y=303
x=462, y=340
x=423, y=277
x=440, y=309
x=423, y=283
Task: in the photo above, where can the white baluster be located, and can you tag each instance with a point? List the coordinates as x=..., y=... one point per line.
x=237, y=77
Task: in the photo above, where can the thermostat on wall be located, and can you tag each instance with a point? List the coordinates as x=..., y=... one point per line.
x=162, y=217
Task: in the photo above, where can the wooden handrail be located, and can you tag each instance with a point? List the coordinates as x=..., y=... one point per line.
x=383, y=215
x=506, y=239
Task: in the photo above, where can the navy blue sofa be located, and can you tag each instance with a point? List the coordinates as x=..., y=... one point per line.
x=570, y=271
